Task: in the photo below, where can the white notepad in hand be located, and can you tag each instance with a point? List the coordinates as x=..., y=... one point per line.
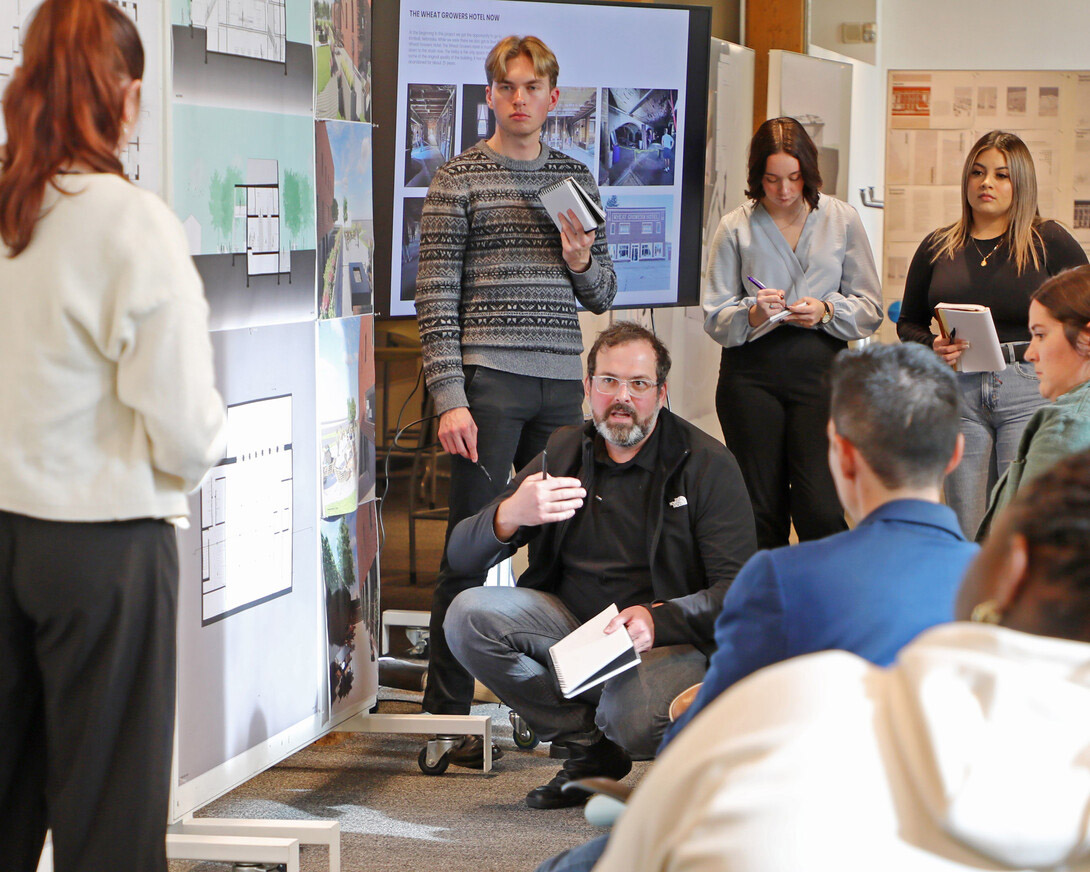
x=568, y=194
x=588, y=656
x=974, y=324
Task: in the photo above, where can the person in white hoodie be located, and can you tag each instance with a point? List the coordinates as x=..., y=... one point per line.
x=108, y=417
x=971, y=752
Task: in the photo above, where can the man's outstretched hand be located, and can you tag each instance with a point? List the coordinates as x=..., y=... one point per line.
x=538, y=501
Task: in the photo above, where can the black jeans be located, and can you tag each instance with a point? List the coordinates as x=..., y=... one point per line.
x=773, y=406
x=87, y=657
x=515, y=415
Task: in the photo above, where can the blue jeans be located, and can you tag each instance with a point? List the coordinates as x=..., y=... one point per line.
x=502, y=636
x=994, y=411
x=581, y=858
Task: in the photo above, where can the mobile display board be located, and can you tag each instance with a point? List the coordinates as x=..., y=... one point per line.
x=632, y=108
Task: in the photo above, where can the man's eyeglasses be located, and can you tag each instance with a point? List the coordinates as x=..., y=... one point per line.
x=611, y=386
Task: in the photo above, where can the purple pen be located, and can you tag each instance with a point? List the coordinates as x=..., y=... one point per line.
x=755, y=283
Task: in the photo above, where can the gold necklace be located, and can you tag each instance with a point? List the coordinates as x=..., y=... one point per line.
x=984, y=258
x=798, y=212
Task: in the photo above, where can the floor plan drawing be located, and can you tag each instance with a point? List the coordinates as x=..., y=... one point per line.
x=246, y=511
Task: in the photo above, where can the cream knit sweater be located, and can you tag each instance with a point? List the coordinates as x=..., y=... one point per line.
x=108, y=408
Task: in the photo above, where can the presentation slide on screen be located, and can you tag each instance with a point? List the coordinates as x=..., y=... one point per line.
x=621, y=112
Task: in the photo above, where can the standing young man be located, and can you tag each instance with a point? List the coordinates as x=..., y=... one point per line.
x=496, y=305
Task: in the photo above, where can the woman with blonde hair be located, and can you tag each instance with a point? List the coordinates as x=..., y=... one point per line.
x=110, y=416
x=996, y=254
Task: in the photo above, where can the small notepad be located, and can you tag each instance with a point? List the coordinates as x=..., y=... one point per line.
x=973, y=323
x=588, y=656
x=569, y=194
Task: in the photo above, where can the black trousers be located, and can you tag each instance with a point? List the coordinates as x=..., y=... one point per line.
x=515, y=415
x=773, y=405
x=87, y=663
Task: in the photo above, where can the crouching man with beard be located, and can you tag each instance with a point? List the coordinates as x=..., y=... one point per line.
x=637, y=507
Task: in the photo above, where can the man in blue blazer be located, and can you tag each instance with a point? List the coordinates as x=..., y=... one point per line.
x=893, y=437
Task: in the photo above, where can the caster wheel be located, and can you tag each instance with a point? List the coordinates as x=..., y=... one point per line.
x=438, y=769
x=526, y=741
x=524, y=736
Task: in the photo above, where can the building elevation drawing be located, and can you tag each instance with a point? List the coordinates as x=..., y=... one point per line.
x=247, y=28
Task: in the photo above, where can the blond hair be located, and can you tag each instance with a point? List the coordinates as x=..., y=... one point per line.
x=1022, y=237
x=510, y=47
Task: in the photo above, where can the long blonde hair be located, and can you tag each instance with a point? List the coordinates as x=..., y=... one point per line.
x=1022, y=237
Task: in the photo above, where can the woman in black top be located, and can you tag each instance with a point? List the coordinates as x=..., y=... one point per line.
x=997, y=254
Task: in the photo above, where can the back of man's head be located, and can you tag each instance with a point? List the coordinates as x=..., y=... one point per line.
x=898, y=405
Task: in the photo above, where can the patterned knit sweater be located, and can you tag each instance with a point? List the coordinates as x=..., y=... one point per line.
x=493, y=289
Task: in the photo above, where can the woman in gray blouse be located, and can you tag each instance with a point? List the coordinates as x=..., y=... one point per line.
x=791, y=279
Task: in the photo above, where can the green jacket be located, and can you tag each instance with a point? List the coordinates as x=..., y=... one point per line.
x=1055, y=431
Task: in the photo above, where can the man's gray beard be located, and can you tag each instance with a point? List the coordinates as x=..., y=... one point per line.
x=626, y=435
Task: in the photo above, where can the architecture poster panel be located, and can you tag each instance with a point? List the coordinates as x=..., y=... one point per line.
x=342, y=59
x=249, y=664
x=349, y=546
x=345, y=222
x=245, y=54
x=244, y=190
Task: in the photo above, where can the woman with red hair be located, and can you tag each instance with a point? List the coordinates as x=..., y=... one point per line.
x=110, y=416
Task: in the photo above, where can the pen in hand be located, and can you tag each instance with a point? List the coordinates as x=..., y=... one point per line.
x=545, y=464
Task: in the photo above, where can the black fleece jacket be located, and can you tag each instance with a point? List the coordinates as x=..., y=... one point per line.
x=700, y=529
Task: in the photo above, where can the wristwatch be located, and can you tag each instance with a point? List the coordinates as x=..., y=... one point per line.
x=828, y=316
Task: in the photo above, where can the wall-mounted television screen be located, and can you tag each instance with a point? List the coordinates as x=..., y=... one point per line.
x=632, y=107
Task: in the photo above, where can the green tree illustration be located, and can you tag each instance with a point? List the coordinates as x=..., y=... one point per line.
x=344, y=549
x=351, y=409
x=333, y=581
x=334, y=210
x=297, y=197
x=344, y=211
x=221, y=200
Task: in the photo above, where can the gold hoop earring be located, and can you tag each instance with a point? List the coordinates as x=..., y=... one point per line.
x=987, y=612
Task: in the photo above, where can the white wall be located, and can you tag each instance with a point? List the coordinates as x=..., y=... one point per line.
x=984, y=34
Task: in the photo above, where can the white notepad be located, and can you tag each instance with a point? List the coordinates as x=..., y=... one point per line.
x=587, y=656
x=975, y=324
x=569, y=194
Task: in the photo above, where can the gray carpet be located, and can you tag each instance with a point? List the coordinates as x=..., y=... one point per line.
x=393, y=817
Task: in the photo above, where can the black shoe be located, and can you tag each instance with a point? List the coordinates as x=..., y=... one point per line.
x=603, y=758
x=470, y=753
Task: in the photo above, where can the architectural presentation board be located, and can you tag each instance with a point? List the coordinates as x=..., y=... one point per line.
x=243, y=155
x=252, y=684
x=260, y=671
x=818, y=94
x=631, y=107
x=142, y=157
x=933, y=119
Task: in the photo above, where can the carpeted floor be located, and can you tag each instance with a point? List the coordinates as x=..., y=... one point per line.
x=393, y=817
